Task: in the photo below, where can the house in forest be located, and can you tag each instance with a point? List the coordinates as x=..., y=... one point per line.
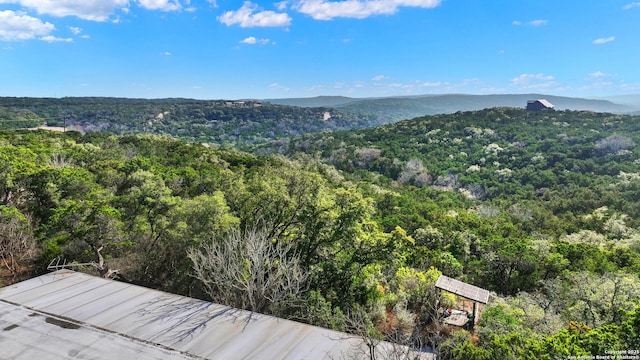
x=538, y=105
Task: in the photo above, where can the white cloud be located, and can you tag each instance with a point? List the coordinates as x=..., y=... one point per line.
x=316, y=87
x=359, y=9
x=431, y=84
x=95, y=10
x=378, y=78
x=599, y=75
x=251, y=40
x=51, y=39
x=166, y=53
x=629, y=87
x=631, y=5
x=75, y=30
x=19, y=26
x=601, y=41
x=537, y=22
x=527, y=79
x=277, y=86
x=282, y=5
x=537, y=82
x=599, y=80
x=248, y=16
x=164, y=5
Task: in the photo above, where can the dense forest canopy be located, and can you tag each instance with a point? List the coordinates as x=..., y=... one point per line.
x=351, y=229
x=237, y=123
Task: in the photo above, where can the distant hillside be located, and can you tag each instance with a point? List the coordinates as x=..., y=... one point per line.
x=244, y=123
x=318, y=101
x=228, y=123
x=18, y=118
x=391, y=109
x=492, y=153
x=632, y=101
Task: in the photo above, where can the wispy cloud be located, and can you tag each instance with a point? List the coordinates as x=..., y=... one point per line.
x=596, y=75
x=359, y=9
x=282, y=5
x=51, y=39
x=537, y=22
x=94, y=10
x=524, y=79
x=276, y=86
x=164, y=5
x=413, y=87
x=166, y=53
x=605, y=40
x=249, y=16
x=75, y=30
x=533, y=81
x=20, y=26
x=631, y=5
x=251, y=40
x=598, y=81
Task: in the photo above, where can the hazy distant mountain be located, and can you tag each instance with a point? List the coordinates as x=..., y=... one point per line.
x=247, y=122
x=632, y=101
x=396, y=108
x=318, y=101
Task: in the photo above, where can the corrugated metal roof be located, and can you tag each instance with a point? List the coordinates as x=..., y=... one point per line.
x=546, y=103
x=66, y=313
x=26, y=335
x=463, y=289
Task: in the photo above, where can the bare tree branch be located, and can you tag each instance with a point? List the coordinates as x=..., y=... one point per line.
x=249, y=270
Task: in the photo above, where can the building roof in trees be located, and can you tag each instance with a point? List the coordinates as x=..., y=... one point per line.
x=539, y=104
x=463, y=289
x=70, y=314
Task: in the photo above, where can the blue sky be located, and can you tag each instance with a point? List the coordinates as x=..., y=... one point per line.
x=220, y=49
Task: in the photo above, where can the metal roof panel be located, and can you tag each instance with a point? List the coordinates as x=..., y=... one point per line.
x=109, y=319
x=463, y=289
